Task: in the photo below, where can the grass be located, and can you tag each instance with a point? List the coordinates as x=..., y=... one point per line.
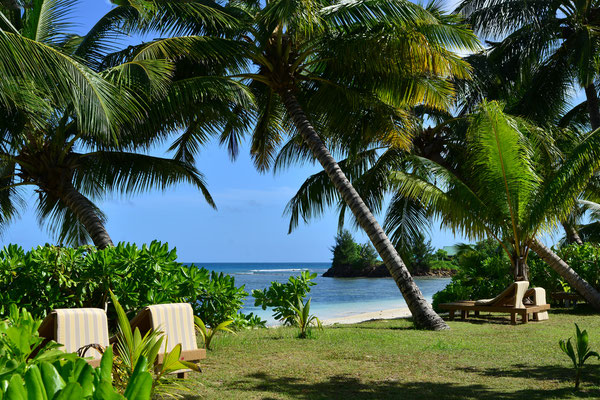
x=390, y=360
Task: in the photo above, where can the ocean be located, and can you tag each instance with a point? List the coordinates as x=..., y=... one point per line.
x=331, y=297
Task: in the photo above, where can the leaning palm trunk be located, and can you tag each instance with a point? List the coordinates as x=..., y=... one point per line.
x=87, y=214
x=567, y=273
x=571, y=234
x=593, y=106
x=423, y=315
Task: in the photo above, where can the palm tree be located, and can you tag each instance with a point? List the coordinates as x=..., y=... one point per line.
x=316, y=64
x=502, y=190
x=77, y=148
x=555, y=42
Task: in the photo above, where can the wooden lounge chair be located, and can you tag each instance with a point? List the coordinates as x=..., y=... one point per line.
x=538, y=298
x=509, y=301
x=177, y=322
x=81, y=330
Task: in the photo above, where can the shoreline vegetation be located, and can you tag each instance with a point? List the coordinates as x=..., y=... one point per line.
x=355, y=260
x=380, y=271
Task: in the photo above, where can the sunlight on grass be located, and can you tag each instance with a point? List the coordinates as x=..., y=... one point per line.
x=390, y=360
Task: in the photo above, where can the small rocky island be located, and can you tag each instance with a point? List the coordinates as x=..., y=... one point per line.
x=353, y=260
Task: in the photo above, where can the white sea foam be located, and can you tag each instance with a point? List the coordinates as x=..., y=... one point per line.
x=280, y=270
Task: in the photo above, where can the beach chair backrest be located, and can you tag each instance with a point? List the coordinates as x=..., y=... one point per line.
x=176, y=320
x=75, y=328
x=512, y=296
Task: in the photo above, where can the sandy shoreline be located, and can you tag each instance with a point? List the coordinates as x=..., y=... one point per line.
x=368, y=316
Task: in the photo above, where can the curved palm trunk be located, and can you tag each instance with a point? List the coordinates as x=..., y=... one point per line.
x=85, y=211
x=571, y=234
x=566, y=272
x=593, y=105
x=423, y=315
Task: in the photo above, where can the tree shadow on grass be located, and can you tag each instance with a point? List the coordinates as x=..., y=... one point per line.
x=591, y=372
x=345, y=387
x=580, y=309
x=486, y=319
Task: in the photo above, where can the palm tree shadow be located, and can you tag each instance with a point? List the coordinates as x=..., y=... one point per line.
x=350, y=387
x=591, y=373
x=486, y=319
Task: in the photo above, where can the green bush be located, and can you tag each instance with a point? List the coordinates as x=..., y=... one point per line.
x=49, y=277
x=484, y=270
x=283, y=297
x=584, y=259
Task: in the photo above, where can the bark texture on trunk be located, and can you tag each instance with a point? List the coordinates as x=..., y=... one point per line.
x=593, y=105
x=571, y=234
x=423, y=315
x=85, y=211
x=562, y=268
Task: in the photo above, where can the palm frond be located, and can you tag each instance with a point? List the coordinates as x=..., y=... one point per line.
x=131, y=173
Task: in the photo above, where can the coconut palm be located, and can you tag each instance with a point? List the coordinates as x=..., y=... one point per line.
x=318, y=64
x=75, y=149
x=503, y=190
x=555, y=42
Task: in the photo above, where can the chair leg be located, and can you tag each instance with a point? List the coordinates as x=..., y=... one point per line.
x=451, y=315
x=463, y=314
x=513, y=318
x=524, y=317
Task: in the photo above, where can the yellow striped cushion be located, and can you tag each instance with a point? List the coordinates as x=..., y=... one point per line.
x=78, y=327
x=177, y=322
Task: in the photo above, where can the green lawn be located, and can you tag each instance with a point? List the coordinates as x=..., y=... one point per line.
x=390, y=360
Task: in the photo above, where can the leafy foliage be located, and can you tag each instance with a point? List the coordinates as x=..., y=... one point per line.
x=482, y=273
x=209, y=333
x=132, y=348
x=283, y=297
x=578, y=354
x=30, y=372
x=51, y=277
x=304, y=320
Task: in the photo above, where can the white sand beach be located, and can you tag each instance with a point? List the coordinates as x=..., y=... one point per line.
x=368, y=316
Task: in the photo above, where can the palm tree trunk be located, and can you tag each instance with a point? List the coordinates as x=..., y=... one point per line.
x=571, y=234
x=593, y=105
x=567, y=273
x=86, y=212
x=423, y=315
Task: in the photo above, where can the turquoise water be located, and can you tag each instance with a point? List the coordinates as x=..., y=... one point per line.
x=331, y=297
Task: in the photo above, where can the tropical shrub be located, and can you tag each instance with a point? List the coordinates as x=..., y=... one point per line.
x=30, y=372
x=578, y=354
x=209, y=333
x=283, y=297
x=483, y=272
x=49, y=277
x=132, y=347
x=217, y=299
x=248, y=321
x=304, y=320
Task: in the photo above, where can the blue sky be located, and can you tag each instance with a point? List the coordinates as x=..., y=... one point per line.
x=247, y=227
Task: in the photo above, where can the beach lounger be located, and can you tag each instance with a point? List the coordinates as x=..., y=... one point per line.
x=81, y=330
x=509, y=301
x=176, y=321
x=538, y=298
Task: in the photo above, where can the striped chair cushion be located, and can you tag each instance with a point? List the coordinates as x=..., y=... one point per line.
x=78, y=327
x=177, y=322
